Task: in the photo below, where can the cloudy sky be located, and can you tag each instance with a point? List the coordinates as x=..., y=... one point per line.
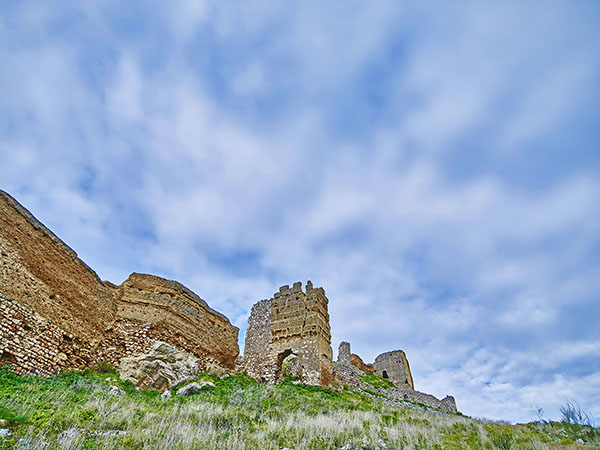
x=435, y=166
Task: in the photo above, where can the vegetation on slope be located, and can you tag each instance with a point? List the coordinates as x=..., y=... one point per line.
x=75, y=411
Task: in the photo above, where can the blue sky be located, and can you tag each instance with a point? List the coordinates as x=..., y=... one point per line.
x=434, y=166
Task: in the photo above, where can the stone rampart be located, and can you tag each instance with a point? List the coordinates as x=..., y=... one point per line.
x=33, y=344
x=42, y=272
x=359, y=364
x=57, y=314
x=172, y=313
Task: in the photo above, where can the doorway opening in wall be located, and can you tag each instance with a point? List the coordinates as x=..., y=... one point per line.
x=288, y=366
x=384, y=374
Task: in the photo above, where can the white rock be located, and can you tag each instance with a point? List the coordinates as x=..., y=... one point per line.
x=5, y=432
x=188, y=390
x=192, y=388
x=381, y=444
x=166, y=395
x=162, y=367
x=69, y=437
x=116, y=391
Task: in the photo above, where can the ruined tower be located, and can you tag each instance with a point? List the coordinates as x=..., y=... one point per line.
x=394, y=366
x=290, y=332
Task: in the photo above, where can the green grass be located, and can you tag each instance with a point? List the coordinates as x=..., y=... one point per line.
x=376, y=382
x=239, y=413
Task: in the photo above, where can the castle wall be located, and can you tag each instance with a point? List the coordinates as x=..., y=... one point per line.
x=42, y=272
x=394, y=366
x=359, y=364
x=173, y=313
x=292, y=324
x=34, y=345
x=344, y=354
x=57, y=314
x=447, y=404
x=259, y=334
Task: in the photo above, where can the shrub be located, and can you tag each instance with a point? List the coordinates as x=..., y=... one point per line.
x=105, y=367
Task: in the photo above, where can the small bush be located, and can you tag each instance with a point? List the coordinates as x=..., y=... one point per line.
x=502, y=440
x=105, y=367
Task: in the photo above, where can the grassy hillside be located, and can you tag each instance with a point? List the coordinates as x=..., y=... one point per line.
x=75, y=411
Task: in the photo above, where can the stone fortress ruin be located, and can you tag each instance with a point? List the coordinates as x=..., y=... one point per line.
x=291, y=329
x=56, y=314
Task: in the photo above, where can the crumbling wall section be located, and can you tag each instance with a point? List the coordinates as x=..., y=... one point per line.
x=292, y=326
x=394, y=366
x=172, y=313
x=34, y=345
x=259, y=334
x=447, y=404
x=57, y=314
x=42, y=272
x=359, y=364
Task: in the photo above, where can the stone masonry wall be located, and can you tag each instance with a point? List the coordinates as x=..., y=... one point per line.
x=447, y=404
x=359, y=364
x=344, y=354
x=259, y=334
x=173, y=313
x=57, y=314
x=394, y=366
x=34, y=345
x=41, y=271
x=298, y=327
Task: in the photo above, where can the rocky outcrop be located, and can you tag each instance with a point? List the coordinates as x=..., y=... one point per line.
x=163, y=367
x=193, y=388
x=56, y=313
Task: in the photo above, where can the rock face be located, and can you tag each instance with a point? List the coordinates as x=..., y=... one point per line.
x=292, y=326
x=161, y=368
x=394, y=366
x=57, y=314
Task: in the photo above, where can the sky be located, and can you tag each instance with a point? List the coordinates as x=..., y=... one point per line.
x=435, y=166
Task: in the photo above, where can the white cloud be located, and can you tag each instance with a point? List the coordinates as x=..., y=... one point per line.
x=479, y=279
x=124, y=96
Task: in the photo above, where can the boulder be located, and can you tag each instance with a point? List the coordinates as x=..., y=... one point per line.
x=193, y=388
x=116, y=391
x=160, y=368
